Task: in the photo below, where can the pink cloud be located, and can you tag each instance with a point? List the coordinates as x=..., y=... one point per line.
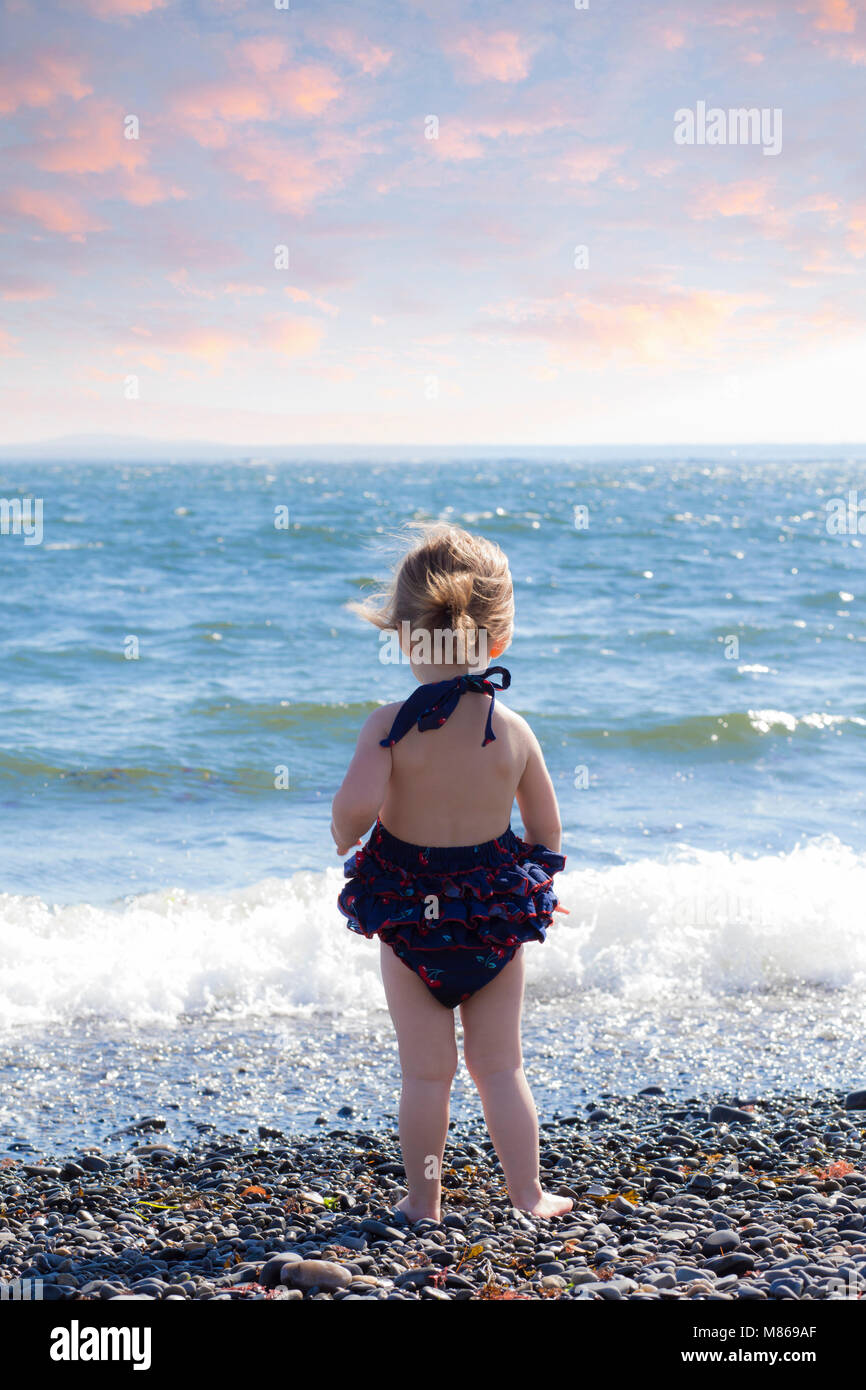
x=631, y=324
x=750, y=198
x=294, y=337
x=793, y=223
x=56, y=212
x=181, y=281
x=836, y=22
x=460, y=139
x=741, y=16
x=660, y=168
x=210, y=345
x=291, y=179
x=215, y=344
x=583, y=165
x=775, y=211
x=151, y=361
x=500, y=55
x=93, y=142
x=454, y=141
x=40, y=80
x=205, y=110
x=820, y=202
x=847, y=51
x=121, y=9
x=202, y=344
x=299, y=296
x=90, y=143
x=294, y=176
x=17, y=288
x=264, y=54
x=369, y=57
x=823, y=262
x=312, y=88
x=142, y=189
x=835, y=16
x=856, y=240
x=208, y=109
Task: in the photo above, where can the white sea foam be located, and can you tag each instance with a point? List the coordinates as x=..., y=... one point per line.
x=763, y=720
x=698, y=923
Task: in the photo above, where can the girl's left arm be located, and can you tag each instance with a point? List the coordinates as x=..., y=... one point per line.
x=357, y=803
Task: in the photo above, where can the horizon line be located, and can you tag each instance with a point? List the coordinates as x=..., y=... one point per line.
x=189, y=441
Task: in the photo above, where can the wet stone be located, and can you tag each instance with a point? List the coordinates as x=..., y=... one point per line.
x=651, y=1220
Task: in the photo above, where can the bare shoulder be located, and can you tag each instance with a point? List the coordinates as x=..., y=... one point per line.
x=379, y=722
x=516, y=726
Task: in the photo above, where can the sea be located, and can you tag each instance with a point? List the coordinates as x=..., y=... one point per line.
x=182, y=686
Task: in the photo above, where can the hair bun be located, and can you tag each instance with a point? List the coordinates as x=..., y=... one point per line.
x=450, y=595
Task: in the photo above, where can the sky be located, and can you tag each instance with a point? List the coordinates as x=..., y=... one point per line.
x=281, y=222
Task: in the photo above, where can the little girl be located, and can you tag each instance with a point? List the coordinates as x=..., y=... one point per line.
x=451, y=894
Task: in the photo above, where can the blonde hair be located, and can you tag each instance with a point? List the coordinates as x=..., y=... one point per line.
x=450, y=580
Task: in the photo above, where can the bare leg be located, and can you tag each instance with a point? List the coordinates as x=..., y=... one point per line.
x=428, y=1060
x=494, y=1060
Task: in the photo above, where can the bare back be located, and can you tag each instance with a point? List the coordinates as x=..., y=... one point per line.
x=441, y=786
x=445, y=788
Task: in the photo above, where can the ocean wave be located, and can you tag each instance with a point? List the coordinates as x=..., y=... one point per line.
x=286, y=714
x=702, y=730
x=312, y=720
x=20, y=769
x=765, y=721
x=700, y=923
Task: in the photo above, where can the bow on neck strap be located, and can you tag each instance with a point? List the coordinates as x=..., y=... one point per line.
x=431, y=705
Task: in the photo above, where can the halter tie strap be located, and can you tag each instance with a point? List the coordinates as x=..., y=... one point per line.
x=430, y=705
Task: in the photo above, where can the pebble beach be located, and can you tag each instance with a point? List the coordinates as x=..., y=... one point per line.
x=696, y=1198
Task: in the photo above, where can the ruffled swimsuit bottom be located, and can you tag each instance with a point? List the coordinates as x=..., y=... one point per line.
x=456, y=916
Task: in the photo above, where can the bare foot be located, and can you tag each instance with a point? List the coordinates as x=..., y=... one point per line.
x=417, y=1213
x=548, y=1204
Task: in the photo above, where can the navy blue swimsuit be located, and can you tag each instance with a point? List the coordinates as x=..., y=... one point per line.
x=454, y=915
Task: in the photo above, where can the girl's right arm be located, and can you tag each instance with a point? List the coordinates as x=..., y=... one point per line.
x=357, y=803
x=536, y=798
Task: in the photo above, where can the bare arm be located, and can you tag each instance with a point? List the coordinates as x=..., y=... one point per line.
x=357, y=803
x=537, y=800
